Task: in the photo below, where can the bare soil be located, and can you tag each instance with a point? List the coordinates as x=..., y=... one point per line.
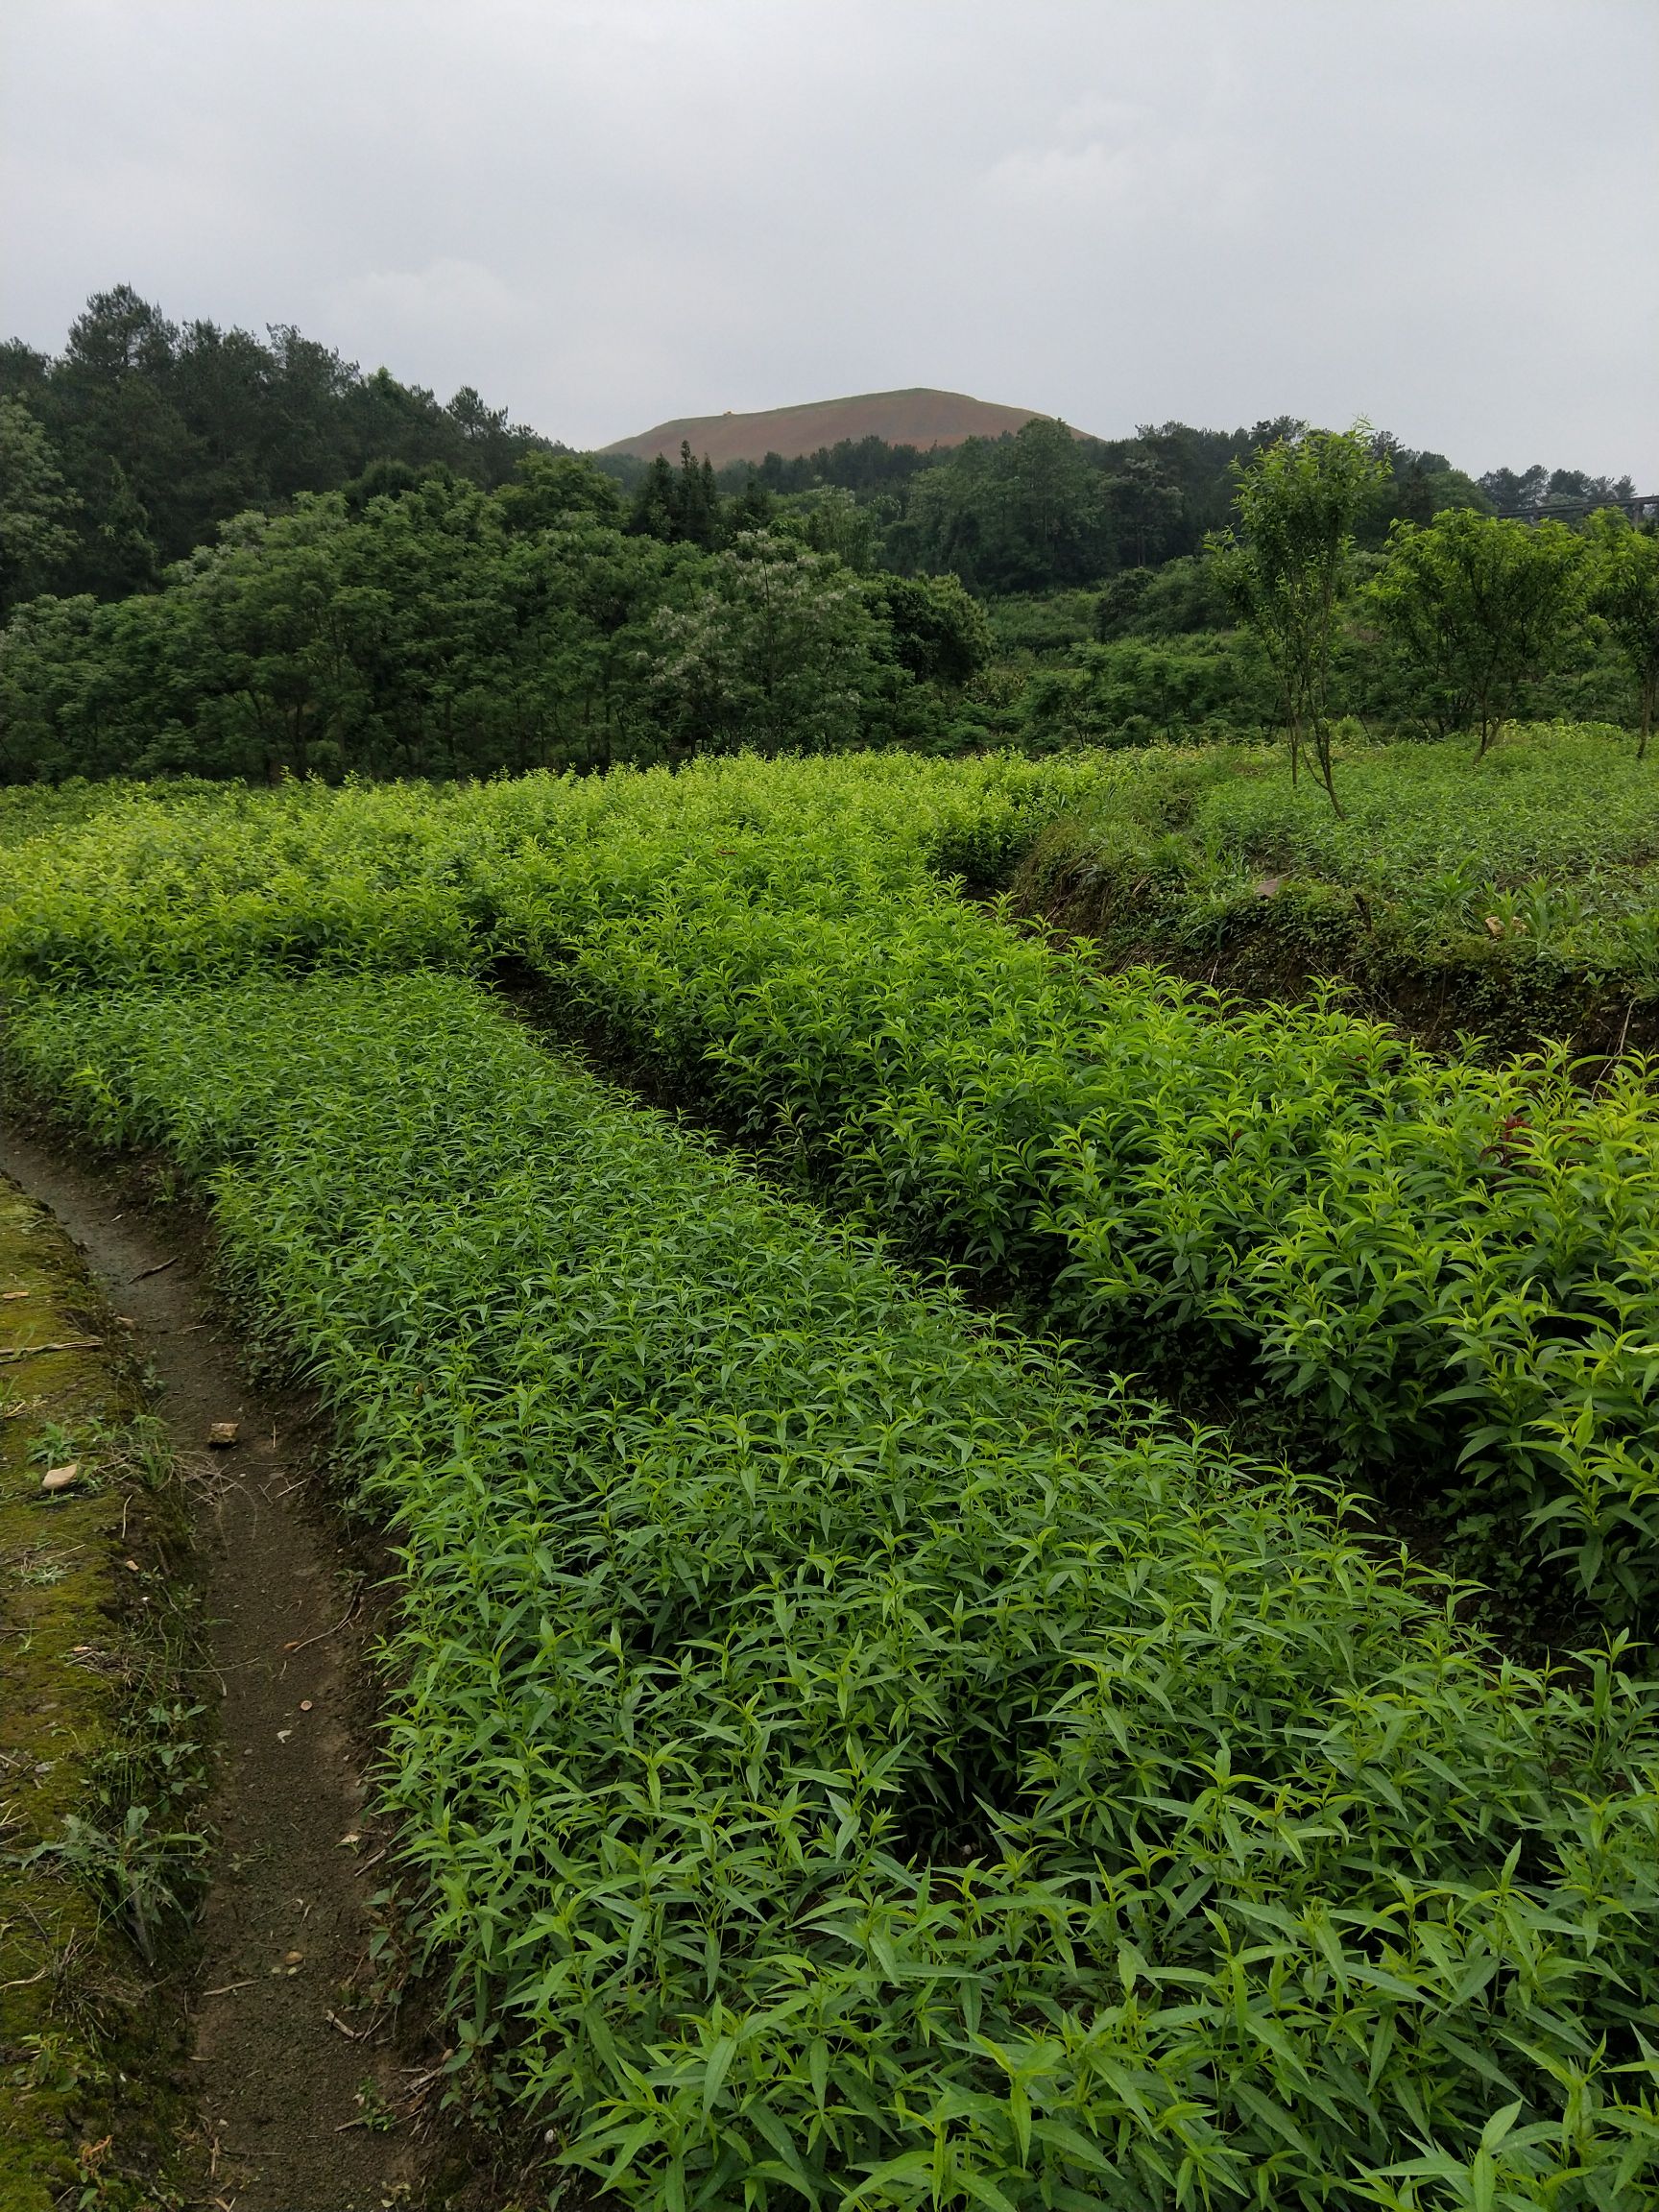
x=917, y=416
x=305, y=2091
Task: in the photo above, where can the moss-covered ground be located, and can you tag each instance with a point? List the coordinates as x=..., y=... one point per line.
x=91, y=1604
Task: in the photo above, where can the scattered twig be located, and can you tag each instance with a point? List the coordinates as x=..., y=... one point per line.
x=229, y=1990
x=160, y=1268
x=28, y=1979
x=60, y=1344
x=353, y=2035
x=423, y=2079
x=289, y=1649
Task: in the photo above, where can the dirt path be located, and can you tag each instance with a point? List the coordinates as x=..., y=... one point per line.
x=300, y=2088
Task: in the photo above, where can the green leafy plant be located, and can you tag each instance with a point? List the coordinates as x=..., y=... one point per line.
x=1624, y=599
x=1480, y=606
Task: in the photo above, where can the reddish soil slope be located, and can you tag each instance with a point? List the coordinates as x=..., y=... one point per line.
x=917, y=417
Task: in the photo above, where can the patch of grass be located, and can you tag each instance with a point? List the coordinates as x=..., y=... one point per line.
x=1552, y=805
x=1518, y=896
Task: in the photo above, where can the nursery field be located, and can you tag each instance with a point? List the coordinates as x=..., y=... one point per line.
x=854, y=1739
x=1521, y=891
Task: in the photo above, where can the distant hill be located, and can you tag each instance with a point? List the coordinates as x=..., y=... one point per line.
x=916, y=417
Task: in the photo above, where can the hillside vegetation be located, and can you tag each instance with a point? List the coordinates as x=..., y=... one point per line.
x=1516, y=898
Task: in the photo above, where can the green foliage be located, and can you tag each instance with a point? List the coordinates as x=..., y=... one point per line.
x=32, y=809
x=1136, y=692
x=164, y=432
x=173, y=883
x=832, y=520
x=36, y=509
x=839, y=1758
x=679, y=507
x=1480, y=608
x=1171, y=601
x=1044, y=511
x=1537, y=492
x=439, y=629
x=1015, y=514
x=940, y=634
x=777, y=648
x=1414, y=487
x=1550, y=805
x=1517, y=896
x=171, y=880
x=1151, y=1171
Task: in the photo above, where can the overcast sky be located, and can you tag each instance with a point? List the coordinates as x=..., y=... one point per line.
x=1443, y=216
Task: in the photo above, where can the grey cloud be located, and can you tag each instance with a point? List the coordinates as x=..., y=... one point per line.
x=1445, y=216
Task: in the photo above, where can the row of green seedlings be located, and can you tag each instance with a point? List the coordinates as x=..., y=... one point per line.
x=1438, y=1278
x=845, y=1759
x=1432, y=1275
x=159, y=884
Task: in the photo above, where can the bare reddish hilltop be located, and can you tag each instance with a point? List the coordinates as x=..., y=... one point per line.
x=916, y=417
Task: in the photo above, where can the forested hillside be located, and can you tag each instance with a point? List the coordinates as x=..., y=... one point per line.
x=236, y=556
x=143, y=435
x=440, y=628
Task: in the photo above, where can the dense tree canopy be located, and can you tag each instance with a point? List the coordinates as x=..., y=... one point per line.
x=37, y=508
x=441, y=629
x=162, y=431
x=1540, y=491
x=1623, y=595
x=1045, y=510
x=156, y=432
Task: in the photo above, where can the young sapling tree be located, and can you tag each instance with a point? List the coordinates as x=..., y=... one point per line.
x=1480, y=607
x=1286, y=563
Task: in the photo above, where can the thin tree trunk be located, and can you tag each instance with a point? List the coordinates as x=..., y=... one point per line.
x=1322, y=754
